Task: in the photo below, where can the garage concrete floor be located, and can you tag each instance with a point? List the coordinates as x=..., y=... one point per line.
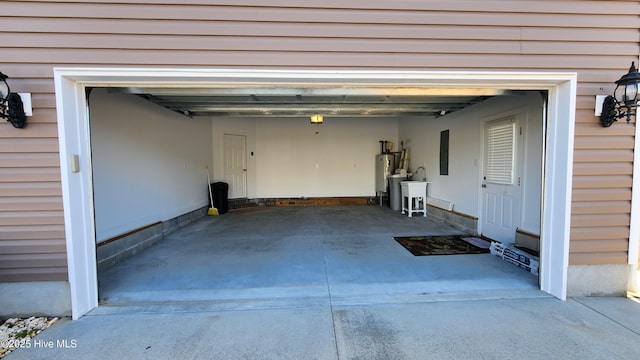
x=276, y=256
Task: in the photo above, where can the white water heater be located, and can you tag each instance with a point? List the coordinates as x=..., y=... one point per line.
x=385, y=165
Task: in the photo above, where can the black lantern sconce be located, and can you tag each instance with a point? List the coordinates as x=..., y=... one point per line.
x=624, y=101
x=11, y=107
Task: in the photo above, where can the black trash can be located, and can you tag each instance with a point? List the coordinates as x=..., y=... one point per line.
x=220, y=192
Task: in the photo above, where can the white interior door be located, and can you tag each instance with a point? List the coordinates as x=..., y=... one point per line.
x=501, y=181
x=235, y=165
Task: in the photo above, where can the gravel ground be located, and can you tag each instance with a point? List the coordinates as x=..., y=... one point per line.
x=17, y=332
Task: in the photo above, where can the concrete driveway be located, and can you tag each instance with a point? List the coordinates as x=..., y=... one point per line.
x=522, y=328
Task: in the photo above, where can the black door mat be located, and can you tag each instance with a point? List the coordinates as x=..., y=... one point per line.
x=443, y=245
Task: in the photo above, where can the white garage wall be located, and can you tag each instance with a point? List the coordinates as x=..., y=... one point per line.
x=148, y=162
x=338, y=161
x=422, y=137
x=291, y=160
x=462, y=185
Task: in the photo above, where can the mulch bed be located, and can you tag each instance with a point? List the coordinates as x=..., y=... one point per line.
x=17, y=332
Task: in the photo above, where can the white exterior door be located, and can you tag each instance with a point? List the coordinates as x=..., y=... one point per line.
x=235, y=165
x=501, y=181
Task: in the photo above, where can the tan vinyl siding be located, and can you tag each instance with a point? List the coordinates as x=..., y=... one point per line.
x=598, y=39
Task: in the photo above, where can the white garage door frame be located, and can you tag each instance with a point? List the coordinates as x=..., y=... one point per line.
x=76, y=168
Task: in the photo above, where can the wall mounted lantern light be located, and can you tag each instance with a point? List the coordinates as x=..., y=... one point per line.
x=11, y=107
x=624, y=101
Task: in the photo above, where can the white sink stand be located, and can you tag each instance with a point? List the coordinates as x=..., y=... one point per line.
x=414, y=197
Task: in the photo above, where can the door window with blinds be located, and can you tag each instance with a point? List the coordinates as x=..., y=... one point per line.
x=499, y=151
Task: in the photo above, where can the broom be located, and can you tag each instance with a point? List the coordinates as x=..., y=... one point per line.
x=212, y=210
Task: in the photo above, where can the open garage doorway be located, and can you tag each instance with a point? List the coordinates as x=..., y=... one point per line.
x=75, y=146
x=285, y=254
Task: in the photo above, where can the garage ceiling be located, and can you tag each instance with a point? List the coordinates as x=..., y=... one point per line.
x=303, y=101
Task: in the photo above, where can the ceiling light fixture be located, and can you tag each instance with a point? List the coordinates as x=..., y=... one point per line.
x=316, y=119
x=11, y=107
x=624, y=101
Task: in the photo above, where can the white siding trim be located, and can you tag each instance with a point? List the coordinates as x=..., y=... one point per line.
x=634, y=230
x=556, y=193
x=77, y=194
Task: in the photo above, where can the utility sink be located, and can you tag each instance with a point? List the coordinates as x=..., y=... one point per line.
x=414, y=197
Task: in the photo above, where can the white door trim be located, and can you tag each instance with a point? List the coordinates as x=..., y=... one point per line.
x=77, y=188
x=77, y=194
x=556, y=188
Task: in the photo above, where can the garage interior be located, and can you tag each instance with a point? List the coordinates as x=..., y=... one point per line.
x=144, y=177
